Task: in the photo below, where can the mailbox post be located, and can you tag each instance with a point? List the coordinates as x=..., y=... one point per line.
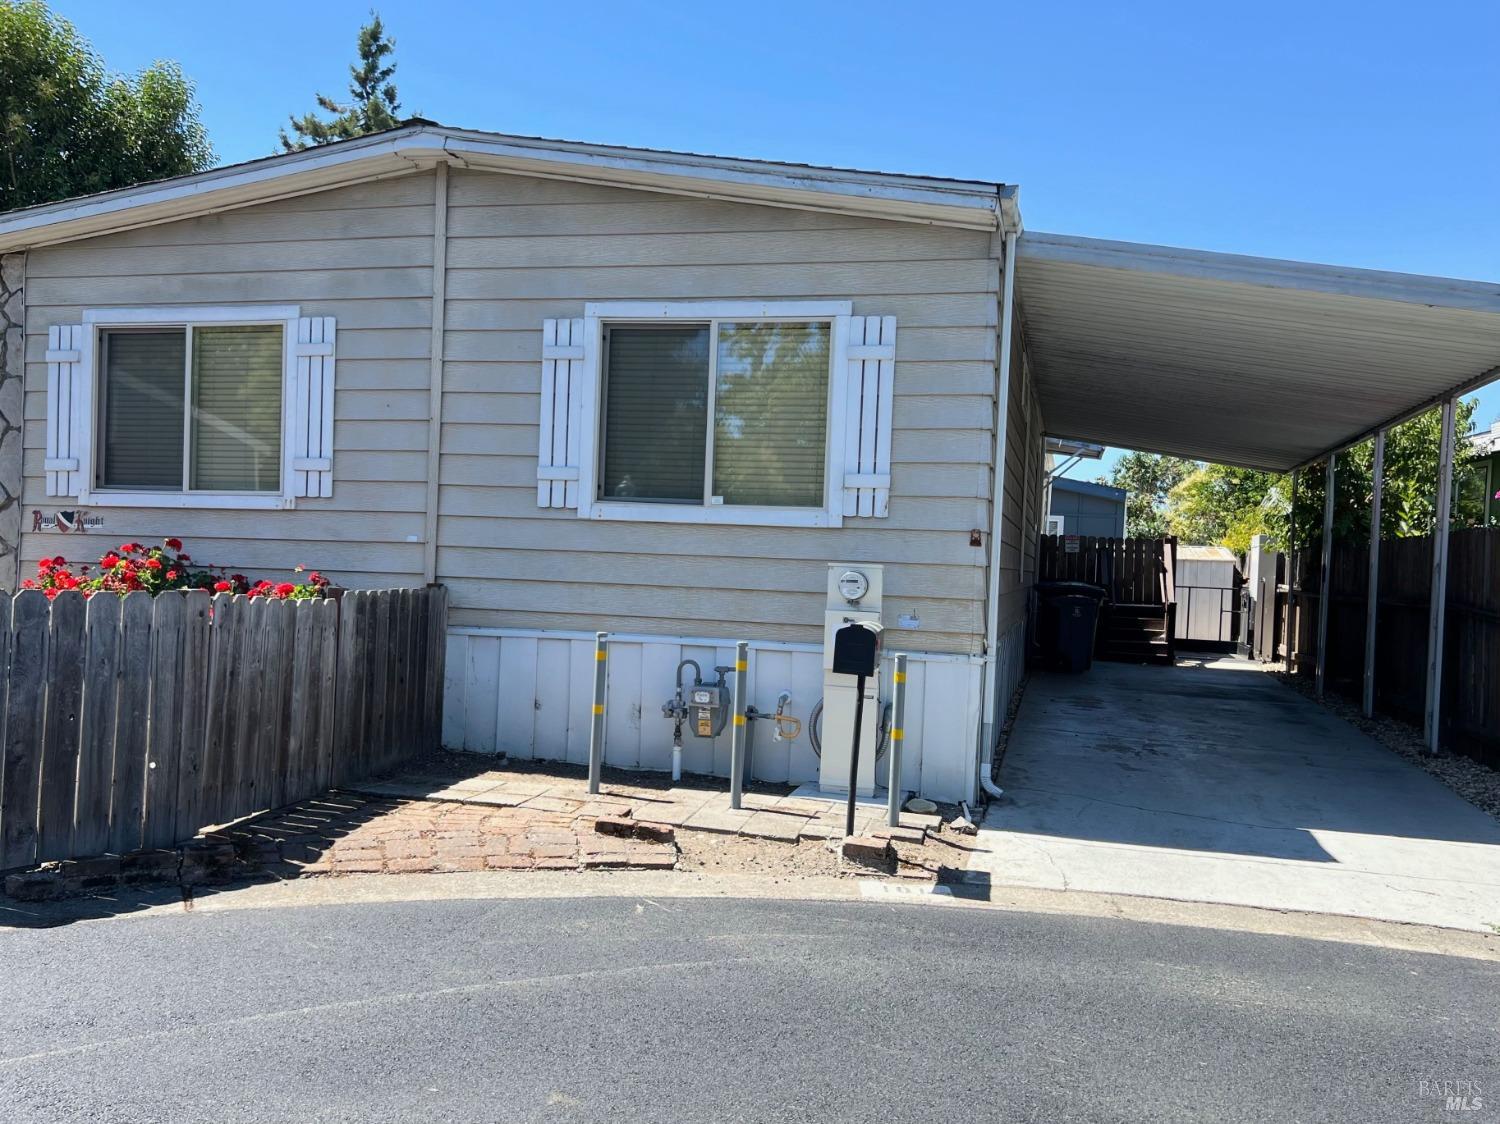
x=856, y=651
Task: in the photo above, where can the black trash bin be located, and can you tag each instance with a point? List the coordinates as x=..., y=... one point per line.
x=1068, y=621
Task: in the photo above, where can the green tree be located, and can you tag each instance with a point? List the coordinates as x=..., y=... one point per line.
x=1217, y=504
x=1408, y=500
x=1148, y=478
x=69, y=127
x=373, y=105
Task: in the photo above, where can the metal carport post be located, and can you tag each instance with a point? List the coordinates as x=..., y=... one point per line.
x=1437, y=610
x=1291, y=576
x=1325, y=585
x=1372, y=595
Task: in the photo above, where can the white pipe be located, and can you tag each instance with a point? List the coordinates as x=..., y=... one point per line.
x=677, y=762
x=987, y=722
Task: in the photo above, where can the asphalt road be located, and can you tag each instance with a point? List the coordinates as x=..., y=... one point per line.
x=700, y=1010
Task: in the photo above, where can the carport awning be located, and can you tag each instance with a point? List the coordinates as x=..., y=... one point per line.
x=1247, y=361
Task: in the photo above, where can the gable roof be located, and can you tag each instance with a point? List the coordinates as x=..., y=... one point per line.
x=420, y=144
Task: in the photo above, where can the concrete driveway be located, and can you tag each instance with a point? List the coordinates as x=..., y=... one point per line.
x=1214, y=782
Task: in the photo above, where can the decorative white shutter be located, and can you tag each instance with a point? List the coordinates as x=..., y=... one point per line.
x=561, y=415
x=868, y=394
x=312, y=408
x=67, y=429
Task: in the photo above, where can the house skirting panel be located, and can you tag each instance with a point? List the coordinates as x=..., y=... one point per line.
x=528, y=694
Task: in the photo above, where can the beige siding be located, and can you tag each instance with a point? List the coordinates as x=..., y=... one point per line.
x=522, y=250
x=1020, y=513
x=362, y=254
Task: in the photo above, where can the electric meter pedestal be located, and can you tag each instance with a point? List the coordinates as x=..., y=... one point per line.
x=854, y=595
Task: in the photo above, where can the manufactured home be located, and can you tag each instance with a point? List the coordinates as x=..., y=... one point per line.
x=674, y=398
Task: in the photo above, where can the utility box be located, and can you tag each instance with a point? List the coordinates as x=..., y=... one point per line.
x=854, y=596
x=856, y=649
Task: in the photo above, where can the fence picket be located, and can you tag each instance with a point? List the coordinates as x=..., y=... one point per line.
x=346, y=686
x=164, y=748
x=96, y=732
x=196, y=659
x=434, y=665
x=132, y=714
x=248, y=720
x=326, y=658
x=65, y=652
x=270, y=744
x=218, y=766
x=417, y=697
x=380, y=663
x=395, y=746
x=20, y=787
x=300, y=745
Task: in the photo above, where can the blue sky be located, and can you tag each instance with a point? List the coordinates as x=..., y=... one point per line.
x=1360, y=133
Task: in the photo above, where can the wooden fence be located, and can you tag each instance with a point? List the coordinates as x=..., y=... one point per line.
x=131, y=722
x=1134, y=571
x=1471, y=632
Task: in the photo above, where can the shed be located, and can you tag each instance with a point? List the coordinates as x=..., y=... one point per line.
x=1085, y=508
x=1208, y=583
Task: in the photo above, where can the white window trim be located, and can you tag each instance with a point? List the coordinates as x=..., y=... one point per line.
x=597, y=314
x=97, y=319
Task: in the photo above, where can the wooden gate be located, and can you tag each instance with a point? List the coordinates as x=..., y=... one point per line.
x=1132, y=571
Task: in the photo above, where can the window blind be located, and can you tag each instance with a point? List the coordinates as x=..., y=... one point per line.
x=236, y=439
x=141, y=431
x=771, y=413
x=655, y=414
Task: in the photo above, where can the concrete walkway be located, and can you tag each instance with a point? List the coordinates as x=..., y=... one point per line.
x=1216, y=783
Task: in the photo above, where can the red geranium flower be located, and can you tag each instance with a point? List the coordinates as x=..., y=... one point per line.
x=110, y=560
x=285, y=589
x=171, y=575
x=153, y=563
x=222, y=587
x=175, y=544
x=44, y=564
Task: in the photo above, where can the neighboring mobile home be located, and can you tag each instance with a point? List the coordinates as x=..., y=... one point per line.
x=586, y=388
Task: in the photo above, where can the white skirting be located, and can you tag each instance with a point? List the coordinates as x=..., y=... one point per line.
x=528, y=693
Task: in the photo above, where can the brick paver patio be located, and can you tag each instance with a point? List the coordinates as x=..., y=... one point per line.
x=519, y=819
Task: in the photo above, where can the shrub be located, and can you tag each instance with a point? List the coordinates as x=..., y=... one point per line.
x=156, y=569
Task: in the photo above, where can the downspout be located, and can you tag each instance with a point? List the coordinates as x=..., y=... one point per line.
x=988, y=721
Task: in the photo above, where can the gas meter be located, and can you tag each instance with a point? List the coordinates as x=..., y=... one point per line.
x=707, y=708
x=704, y=706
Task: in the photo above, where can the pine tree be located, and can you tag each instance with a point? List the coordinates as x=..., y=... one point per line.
x=374, y=106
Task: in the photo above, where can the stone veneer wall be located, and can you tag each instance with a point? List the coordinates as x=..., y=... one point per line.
x=12, y=376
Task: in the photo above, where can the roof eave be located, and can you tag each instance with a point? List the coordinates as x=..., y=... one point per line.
x=900, y=198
